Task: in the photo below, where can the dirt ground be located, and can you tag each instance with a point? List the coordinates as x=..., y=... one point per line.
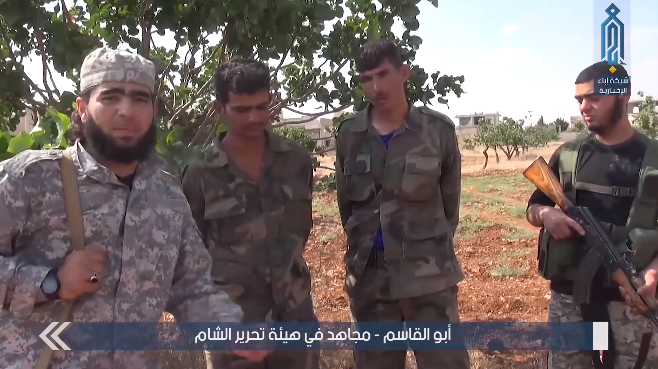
x=495, y=246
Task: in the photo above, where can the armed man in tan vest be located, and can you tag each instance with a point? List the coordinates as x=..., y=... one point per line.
x=143, y=253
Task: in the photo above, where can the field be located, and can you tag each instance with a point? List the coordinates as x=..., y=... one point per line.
x=495, y=246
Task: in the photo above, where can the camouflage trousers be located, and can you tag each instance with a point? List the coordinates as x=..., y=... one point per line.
x=258, y=306
x=368, y=303
x=627, y=331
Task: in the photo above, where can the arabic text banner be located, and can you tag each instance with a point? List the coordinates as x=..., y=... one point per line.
x=334, y=336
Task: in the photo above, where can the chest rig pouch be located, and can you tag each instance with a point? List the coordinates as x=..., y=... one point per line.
x=561, y=260
x=638, y=240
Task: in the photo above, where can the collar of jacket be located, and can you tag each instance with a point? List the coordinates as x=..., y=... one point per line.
x=215, y=156
x=92, y=168
x=414, y=121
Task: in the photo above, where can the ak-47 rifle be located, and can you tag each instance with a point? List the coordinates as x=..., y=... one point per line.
x=620, y=268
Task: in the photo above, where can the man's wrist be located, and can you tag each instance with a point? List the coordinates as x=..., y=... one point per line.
x=653, y=266
x=51, y=285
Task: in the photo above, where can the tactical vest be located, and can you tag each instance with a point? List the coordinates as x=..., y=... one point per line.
x=559, y=260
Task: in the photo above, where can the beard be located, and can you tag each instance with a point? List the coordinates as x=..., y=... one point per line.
x=612, y=119
x=107, y=147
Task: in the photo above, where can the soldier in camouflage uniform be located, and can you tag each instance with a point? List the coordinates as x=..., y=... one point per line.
x=603, y=171
x=398, y=177
x=251, y=198
x=144, y=249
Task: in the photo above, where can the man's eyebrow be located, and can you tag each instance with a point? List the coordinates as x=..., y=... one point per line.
x=122, y=91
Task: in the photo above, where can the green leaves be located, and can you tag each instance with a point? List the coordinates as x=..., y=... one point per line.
x=510, y=136
x=311, y=46
x=20, y=143
x=647, y=119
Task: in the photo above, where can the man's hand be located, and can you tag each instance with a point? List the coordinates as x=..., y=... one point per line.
x=255, y=356
x=75, y=275
x=648, y=291
x=559, y=225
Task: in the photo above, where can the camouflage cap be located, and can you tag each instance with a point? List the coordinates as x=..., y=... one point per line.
x=108, y=65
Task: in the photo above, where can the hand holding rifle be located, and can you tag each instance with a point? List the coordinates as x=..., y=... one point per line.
x=622, y=271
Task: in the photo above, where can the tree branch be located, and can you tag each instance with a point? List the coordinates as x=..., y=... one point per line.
x=277, y=109
x=209, y=112
x=221, y=46
x=27, y=79
x=283, y=58
x=201, y=90
x=312, y=117
x=44, y=62
x=146, y=29
x=329, y=149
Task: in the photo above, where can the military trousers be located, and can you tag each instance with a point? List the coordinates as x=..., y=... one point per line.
x=258, y=305
x=627, y=329
x=369, y=303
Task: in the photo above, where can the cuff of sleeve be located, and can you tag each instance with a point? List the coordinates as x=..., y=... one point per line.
x=28, y=284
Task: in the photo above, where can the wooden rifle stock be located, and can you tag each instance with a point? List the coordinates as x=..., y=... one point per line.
x=545, y=180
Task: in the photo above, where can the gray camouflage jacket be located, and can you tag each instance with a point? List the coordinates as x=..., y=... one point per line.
x=157, y=261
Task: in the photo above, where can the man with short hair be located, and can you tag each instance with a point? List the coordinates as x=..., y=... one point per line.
x=143, y=256
x=605, y=172
x=251, y=198
x=398, y=178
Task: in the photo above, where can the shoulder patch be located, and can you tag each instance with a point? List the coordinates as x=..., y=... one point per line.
x=440, y=116
x=16, y=165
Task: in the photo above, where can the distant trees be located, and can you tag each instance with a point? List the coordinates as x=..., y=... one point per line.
x=561, y=124
x=647, y=119
x=510, y=137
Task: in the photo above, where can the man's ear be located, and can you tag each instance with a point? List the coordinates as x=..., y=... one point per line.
x=406, y=72
x=82, y=108
x=219, y=108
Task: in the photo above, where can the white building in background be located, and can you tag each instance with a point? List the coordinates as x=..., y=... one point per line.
x=473, y=120
x=26, y=122
x=318, y=128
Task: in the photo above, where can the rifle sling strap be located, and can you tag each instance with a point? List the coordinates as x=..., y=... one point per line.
x=76, y=227
x=582, y=283
x=598, y=312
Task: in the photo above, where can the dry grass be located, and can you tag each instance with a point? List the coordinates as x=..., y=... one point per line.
x=495, y=247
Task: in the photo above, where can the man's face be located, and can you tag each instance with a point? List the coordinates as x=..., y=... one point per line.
x=118, y=121
x=247, y=115
x=385, y=84
x=600, y=112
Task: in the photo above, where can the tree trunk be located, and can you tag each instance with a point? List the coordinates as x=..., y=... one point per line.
x=497, y=157
x=486, y=157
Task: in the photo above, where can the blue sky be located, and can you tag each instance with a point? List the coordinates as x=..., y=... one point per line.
x=516, y=55
x=519, y=56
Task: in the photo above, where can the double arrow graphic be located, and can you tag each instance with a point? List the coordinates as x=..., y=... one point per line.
x=54, y=336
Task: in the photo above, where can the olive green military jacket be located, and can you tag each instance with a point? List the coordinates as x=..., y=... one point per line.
x=253, y=227
x=412, y=189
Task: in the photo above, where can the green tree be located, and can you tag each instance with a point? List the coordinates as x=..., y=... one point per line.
x=485, y=138
x=510, y=136
x=561, y=124
x=579, y=126
x=647, y=119
x=310, y=44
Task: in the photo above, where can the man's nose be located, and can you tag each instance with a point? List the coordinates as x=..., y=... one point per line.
x=255, y=116
x=375, y=85
x=126, y=108
x=586, y=105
